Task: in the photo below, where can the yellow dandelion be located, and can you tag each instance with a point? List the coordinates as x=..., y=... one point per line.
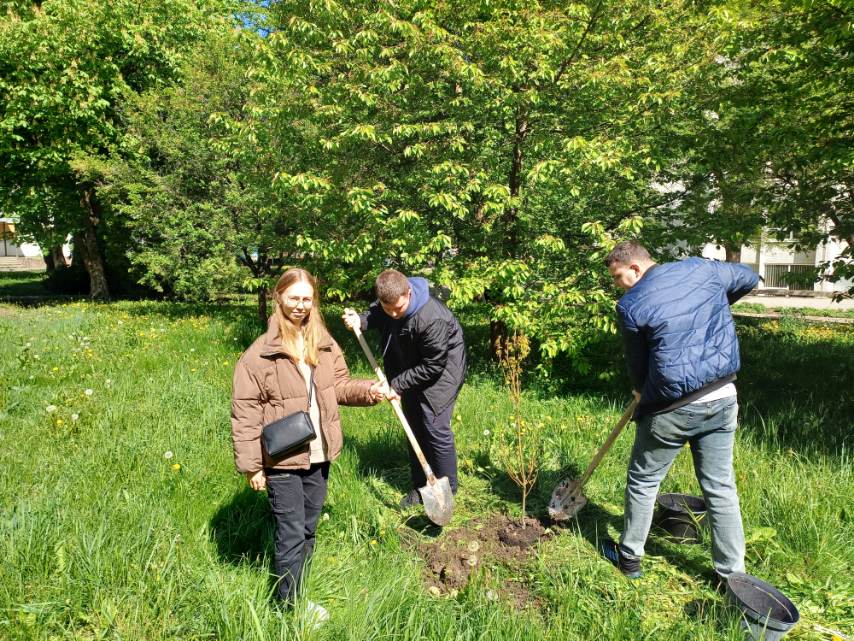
x=59, y=422
x=373, y=541
x=176, y=466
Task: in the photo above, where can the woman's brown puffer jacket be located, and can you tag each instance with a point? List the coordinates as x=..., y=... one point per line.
x=268, y=386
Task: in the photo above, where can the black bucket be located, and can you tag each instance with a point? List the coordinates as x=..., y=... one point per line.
x=767, y=613
x=681, y=516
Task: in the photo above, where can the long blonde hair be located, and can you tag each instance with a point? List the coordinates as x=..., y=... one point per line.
x=313, y=328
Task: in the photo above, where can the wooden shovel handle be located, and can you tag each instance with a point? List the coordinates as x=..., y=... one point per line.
x=395, y=404
x=625, y=418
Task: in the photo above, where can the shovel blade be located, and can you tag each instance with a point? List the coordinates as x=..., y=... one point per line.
x=567, y=500
x=438, y=500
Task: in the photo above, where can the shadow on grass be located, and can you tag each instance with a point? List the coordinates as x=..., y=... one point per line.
x=243, y=529
x=383, y=455
x=592, y=523
x=536, y=505
x=23, y=283
x=794, y=385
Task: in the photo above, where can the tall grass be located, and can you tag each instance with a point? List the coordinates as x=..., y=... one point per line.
x=121, y=516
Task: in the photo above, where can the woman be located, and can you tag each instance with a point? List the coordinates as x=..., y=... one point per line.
x=271, y=380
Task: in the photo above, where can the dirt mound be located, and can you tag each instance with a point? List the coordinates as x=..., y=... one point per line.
x=499, y=540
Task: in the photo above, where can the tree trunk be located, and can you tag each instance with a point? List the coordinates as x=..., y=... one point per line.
x=733, y=254
x=54, y=259
x=497, y=333
x=91, y=252
x=514, y=182
x=262, y=305
x=58, y=256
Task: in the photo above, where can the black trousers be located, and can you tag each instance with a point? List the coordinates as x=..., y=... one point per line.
x=434, y=435
x=296, y=499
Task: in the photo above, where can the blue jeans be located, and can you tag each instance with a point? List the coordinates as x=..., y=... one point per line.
x=433, y=433
x=709, y=428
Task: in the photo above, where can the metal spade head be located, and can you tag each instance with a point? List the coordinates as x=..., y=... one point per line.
x=438, y=500
x=567, y=500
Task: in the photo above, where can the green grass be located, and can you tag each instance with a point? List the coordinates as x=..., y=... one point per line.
x=106, y=535
x=14, y=284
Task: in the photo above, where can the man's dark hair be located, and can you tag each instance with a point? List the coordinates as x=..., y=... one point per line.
x=626, y=253
x=390, y=286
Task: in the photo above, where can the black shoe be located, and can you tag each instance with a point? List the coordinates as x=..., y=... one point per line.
x=410, y=500
x=629, y=567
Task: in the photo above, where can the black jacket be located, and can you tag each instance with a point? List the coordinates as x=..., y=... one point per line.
x=423, y=352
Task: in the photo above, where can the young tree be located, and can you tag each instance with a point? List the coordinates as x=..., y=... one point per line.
x=518, y=449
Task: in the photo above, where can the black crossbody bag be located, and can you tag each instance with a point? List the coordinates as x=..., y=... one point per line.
x=291, y=432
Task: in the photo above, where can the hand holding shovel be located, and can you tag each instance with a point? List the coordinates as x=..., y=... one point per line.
x=436, y=496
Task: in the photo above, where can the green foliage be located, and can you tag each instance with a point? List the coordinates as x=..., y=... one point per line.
x=765, y=131
x=67, y=70
x=473, y=143
x=191, y=202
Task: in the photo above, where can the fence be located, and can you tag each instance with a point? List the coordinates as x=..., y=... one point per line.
x=790, y=276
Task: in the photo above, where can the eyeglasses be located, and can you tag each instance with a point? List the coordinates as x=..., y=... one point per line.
x=291, y=301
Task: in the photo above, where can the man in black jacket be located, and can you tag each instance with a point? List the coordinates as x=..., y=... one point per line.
x=425, y=361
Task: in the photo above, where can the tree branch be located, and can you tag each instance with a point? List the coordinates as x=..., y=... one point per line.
x=565, y=64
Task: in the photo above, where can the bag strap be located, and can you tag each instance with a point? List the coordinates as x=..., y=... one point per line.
x=310, y=389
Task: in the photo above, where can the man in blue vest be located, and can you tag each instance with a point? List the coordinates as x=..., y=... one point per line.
x=682, y=355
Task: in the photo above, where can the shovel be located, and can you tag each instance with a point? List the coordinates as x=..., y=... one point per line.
x=568, y=497
x=436, y=496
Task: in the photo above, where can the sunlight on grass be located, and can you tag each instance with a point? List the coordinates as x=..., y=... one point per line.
x=122, y=515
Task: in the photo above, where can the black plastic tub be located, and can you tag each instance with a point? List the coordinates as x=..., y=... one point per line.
x=681, y=516
x=767, y=613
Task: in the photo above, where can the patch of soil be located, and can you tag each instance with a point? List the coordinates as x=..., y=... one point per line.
x=498, y=540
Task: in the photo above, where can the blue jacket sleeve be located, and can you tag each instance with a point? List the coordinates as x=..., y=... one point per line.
x=635, y=347
x=738, y=280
